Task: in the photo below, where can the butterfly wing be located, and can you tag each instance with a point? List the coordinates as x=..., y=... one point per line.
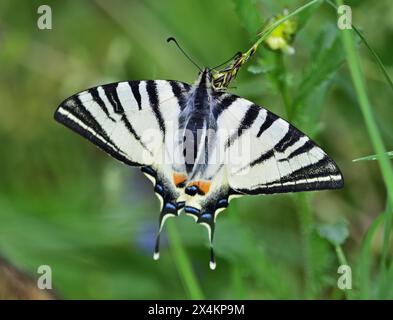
x=257, y=152
x=121, y=118
x=130, y=121
x=264, y=154
x=268, y=155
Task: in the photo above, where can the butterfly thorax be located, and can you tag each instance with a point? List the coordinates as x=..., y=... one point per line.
x=197, y=125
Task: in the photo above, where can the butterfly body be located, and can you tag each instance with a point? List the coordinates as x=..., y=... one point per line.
x=200, y=146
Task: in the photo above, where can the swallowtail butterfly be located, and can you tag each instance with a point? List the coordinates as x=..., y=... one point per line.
x=198, y=144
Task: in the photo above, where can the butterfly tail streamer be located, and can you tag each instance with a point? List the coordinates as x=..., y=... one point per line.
x=207, y=220
x=168, y=210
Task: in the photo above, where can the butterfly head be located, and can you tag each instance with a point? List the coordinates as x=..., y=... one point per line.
x=205, y=77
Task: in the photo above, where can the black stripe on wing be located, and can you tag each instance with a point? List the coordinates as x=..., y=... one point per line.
x=270, y=118
x=111, y=93
x=247, y=121
x=179, y=93
x=303, y=149
x=289, y=139
x=86, y=125
x=134, y=85
x=94, y=93
x=151, y=88
x=224, y=104
x=304, y=179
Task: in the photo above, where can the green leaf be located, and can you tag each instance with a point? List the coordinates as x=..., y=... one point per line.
x=374, y=157
x=327, y=56
x=376, y=57
x=305, y=15
x=260, y=69
x=322, y=263
x=249, y=15
x=335, y=233
x=364, y=263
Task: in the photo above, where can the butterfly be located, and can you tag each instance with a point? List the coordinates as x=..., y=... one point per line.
x=200, y=145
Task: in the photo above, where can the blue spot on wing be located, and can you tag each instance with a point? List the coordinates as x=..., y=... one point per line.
x=207, y=216
x=159, y=188
x=170, y=206
x=222, y=203
x=191, y=210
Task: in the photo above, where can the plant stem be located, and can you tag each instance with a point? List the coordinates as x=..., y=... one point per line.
x=237, y=274
x=385, y=247
x=343, y=261
x=273, y=26
x=340, y=255
x=183, y=264
x=372, y=128
x=306, y=225
x=304, y=210
x=372, y=51
x=269, y=29
x=365, y=265
x=281, y=80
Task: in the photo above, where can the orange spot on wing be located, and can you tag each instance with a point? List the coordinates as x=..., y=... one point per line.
x=203, y=186
x=179, y=178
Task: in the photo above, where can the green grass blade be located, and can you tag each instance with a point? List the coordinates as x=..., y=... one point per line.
x=385, y=248
x=366, y=109
x=248, y=14
x=237, y=274
x=183, y=264
x=327, y=57
x=376, y=57
x=374, y=157
x=364, y=262
x=343, y=261
x=372, y=51
x=305, y=217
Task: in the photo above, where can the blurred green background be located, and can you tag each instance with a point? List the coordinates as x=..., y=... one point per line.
x=64, y=203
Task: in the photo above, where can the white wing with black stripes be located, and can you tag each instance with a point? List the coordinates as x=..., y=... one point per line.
x=126, y=119
x=276, y=157
x=256, y=152
x=134, y=122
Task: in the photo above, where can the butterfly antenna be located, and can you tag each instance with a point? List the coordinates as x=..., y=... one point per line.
x=236, y=55
x=185, y=54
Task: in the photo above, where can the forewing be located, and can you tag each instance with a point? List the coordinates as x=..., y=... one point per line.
x=128, y=120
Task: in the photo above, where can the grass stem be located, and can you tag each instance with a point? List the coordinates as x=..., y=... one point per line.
x=183, y=264
x=372, y=128
x=343, y=261
x=281, y=80
x=237, y=273
x=306, y=224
